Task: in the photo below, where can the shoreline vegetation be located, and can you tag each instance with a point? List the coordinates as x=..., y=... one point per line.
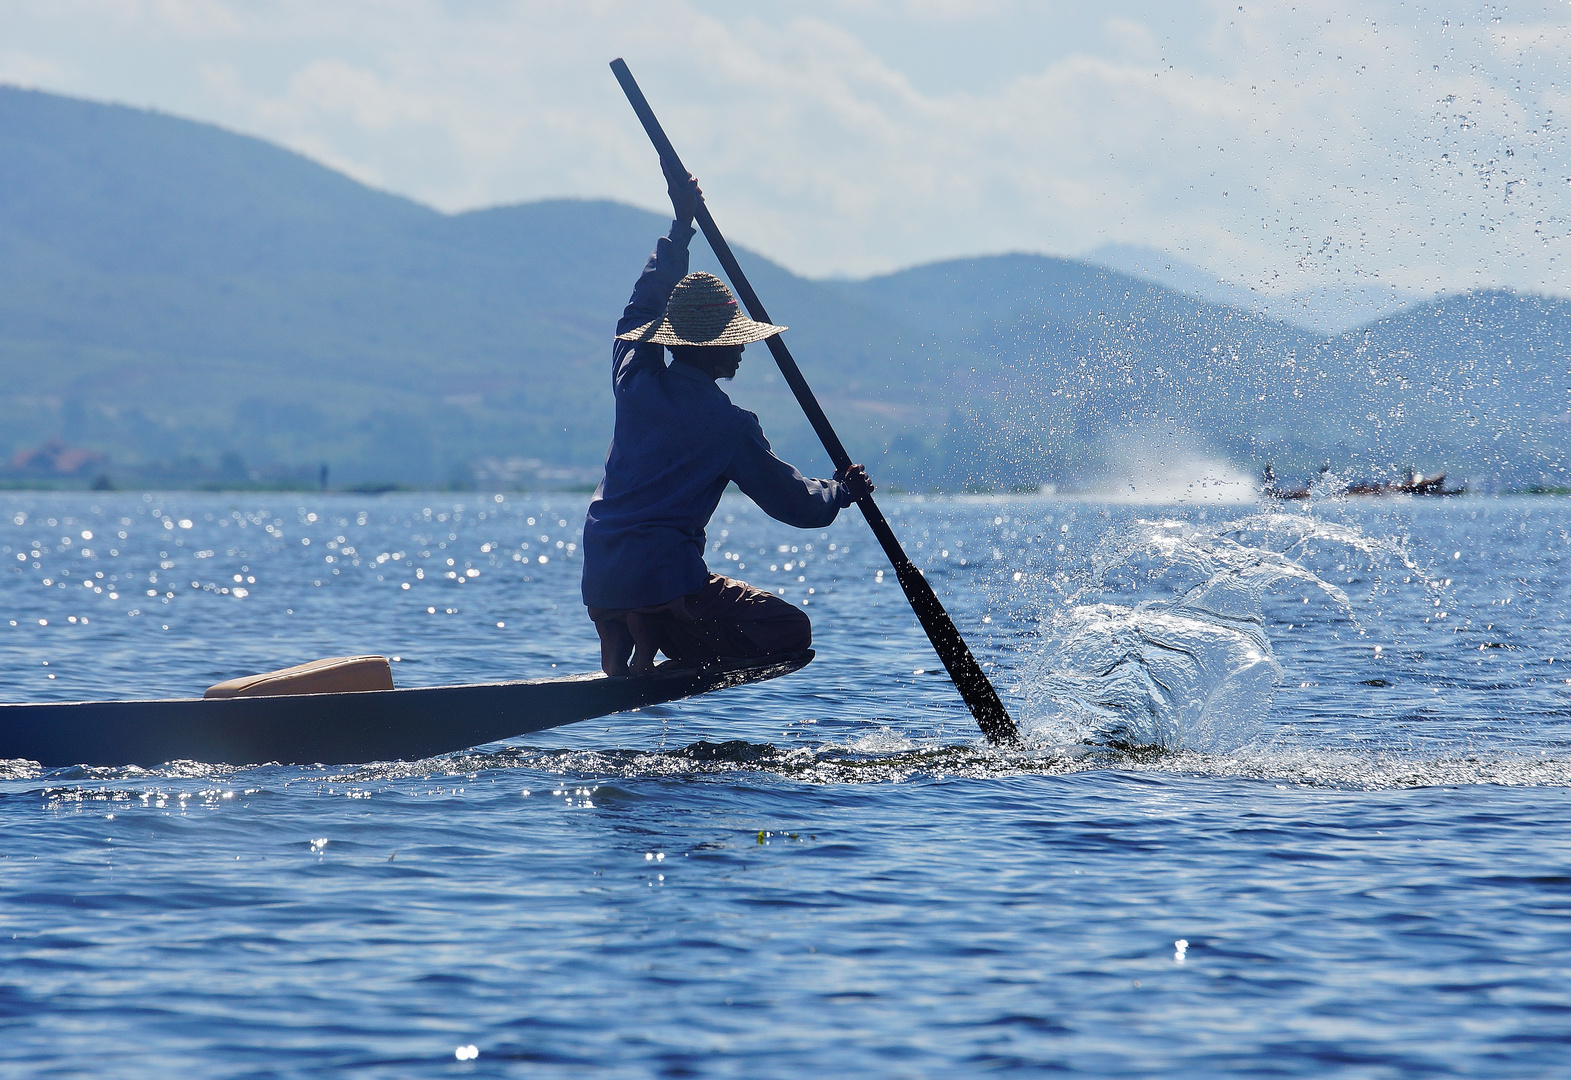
x=106, y=483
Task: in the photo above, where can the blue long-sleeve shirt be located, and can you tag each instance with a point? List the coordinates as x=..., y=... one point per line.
x=678, y=439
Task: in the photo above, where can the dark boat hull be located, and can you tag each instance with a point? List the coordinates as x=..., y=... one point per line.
x=336, y=729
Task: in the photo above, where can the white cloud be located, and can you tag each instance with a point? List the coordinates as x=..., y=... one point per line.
x=1278, y=147
x=1551, y=39
x=33, y=72
x=1133, y=38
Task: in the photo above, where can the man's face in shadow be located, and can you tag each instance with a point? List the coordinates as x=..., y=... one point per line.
x=716, y=361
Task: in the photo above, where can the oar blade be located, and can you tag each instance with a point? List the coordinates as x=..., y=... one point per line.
x=976, y=689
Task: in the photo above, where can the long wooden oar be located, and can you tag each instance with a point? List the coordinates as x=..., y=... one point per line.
x=973, y=684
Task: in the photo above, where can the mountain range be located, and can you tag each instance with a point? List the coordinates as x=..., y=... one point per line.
x=1328, y=310
x=187, y=301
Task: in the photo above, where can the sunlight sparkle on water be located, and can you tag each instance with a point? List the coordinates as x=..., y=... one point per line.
x=1322, y=787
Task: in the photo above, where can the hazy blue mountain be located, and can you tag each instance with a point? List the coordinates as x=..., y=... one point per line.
x=1073, y=354
x=1480, y=383
x=1328, y=310
x=1163, y=268
x=174, y=294
x=171, y=288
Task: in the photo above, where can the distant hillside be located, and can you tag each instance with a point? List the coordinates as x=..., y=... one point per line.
x=170, y=290
x=188, y=301
x=1328, y=310
x=1481, y=380
x=1072, y=354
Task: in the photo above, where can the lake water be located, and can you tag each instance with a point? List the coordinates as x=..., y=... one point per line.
x=1293, y=801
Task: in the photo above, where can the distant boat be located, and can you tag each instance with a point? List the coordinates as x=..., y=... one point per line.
x=1412, y=483
x=1271, y=488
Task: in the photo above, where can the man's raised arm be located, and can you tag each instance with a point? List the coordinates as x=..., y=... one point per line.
x=665, y=268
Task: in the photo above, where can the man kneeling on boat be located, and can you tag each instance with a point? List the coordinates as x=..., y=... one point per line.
x=677, y=442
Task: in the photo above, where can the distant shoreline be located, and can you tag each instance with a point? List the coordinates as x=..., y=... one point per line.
x=242, y=487
x=259, y=488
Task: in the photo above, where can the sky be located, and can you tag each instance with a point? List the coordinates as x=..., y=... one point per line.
x=1282, y=147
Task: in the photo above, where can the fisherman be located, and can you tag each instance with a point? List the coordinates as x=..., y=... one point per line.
x=678, y=440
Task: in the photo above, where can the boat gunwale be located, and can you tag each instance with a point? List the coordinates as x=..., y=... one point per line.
x=661, y=673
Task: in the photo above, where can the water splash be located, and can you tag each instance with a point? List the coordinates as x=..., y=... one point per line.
x=1167, y=467
x=589, y=776
x=937, y=759
x=1191, y=668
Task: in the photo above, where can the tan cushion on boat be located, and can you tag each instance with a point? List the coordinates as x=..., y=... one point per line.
x=335, y=675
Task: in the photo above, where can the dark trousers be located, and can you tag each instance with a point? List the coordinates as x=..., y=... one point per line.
x=726, y=618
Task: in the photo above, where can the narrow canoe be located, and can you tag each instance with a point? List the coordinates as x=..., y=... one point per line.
x=338, y=729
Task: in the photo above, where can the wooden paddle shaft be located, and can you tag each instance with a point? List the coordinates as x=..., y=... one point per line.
x=968, y=676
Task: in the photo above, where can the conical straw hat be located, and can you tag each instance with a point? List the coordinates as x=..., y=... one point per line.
x=702, y=311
